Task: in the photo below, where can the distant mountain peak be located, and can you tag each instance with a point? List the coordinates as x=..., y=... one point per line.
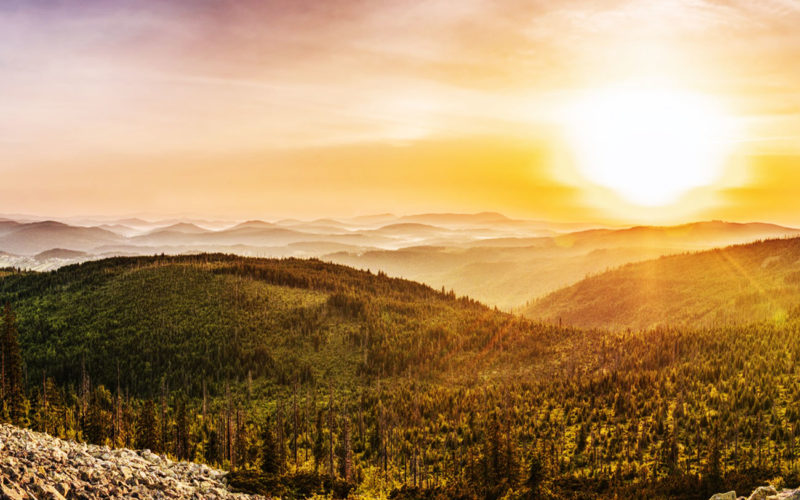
x=254, y=223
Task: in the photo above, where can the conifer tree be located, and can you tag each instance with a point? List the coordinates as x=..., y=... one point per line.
x=95, y=418
x=242, y=439
x=346, y=452
x=146, y=427
x=295, y=425
x=269, y=455
x=12, y=367
x=319, y=441
x=181, y=430
x=535, y=474
x=280, y=439
x=330, y=450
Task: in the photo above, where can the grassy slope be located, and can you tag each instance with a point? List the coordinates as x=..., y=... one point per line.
x=734, y=285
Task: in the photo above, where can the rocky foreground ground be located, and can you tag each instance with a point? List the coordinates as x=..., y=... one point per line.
x=37, y=466
x=761, y=493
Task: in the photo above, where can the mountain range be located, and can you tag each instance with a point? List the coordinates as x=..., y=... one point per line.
x=501, y=261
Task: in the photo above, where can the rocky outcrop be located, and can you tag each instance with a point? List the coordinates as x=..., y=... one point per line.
x=761, y=493
x=35, y=465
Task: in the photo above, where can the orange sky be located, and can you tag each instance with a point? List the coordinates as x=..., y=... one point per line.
x=300, y=108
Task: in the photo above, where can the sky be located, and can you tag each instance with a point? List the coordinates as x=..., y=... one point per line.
x=298, y=108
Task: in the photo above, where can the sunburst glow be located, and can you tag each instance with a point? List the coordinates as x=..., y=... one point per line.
x=650, y=146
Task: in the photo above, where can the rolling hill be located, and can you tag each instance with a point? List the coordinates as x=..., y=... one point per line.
x=182, y=227
x=695, y=235
x=508, y=272
x=500, y=261
x=35, y=237
x=733, y=285
x=215, y=317
x=387, y=387
x=60, y=253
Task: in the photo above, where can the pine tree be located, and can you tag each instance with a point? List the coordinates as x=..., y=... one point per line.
x=319, y=441
x=163, y=435
x=669, y=454
x=330, y=450
x=146, y=427
x=535, y=474
x=713, y=469
x=242, y=439
x=269, y=455
x=511, y=465
x=493, y=454
x=295, y=425
x=12, y=367
x=181, y=430
x=280, y=439
x=346, y=452
x=96, y=422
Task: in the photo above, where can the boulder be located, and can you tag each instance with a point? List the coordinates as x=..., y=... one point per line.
x=762, y=492
x=12, y=492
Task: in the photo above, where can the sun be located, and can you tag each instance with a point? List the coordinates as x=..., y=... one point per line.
x=650, y=146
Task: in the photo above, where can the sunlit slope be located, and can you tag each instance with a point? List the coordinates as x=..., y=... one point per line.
x=737, y=284
x=214, y=317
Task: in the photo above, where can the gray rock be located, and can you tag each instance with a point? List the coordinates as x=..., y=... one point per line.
x=35, y=465
x=125, y=471
x=762, y=492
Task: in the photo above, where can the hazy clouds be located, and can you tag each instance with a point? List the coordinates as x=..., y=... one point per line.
x=109, y=86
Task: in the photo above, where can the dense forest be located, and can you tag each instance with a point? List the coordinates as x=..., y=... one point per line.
x=304, y=378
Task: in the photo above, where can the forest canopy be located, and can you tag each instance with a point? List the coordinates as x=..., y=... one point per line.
x=305, y=377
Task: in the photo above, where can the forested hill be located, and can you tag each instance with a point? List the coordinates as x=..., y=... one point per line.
x=186, y=321
x=304, y=378
x=733, y=285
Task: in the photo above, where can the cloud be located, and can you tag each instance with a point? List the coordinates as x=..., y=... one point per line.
x=94, y=81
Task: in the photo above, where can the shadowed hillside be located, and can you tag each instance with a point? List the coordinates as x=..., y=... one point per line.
x=734, y=285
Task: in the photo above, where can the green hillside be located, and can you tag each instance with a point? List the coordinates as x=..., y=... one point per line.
x=305, y=378
x=734, y=285
x=212, y=318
